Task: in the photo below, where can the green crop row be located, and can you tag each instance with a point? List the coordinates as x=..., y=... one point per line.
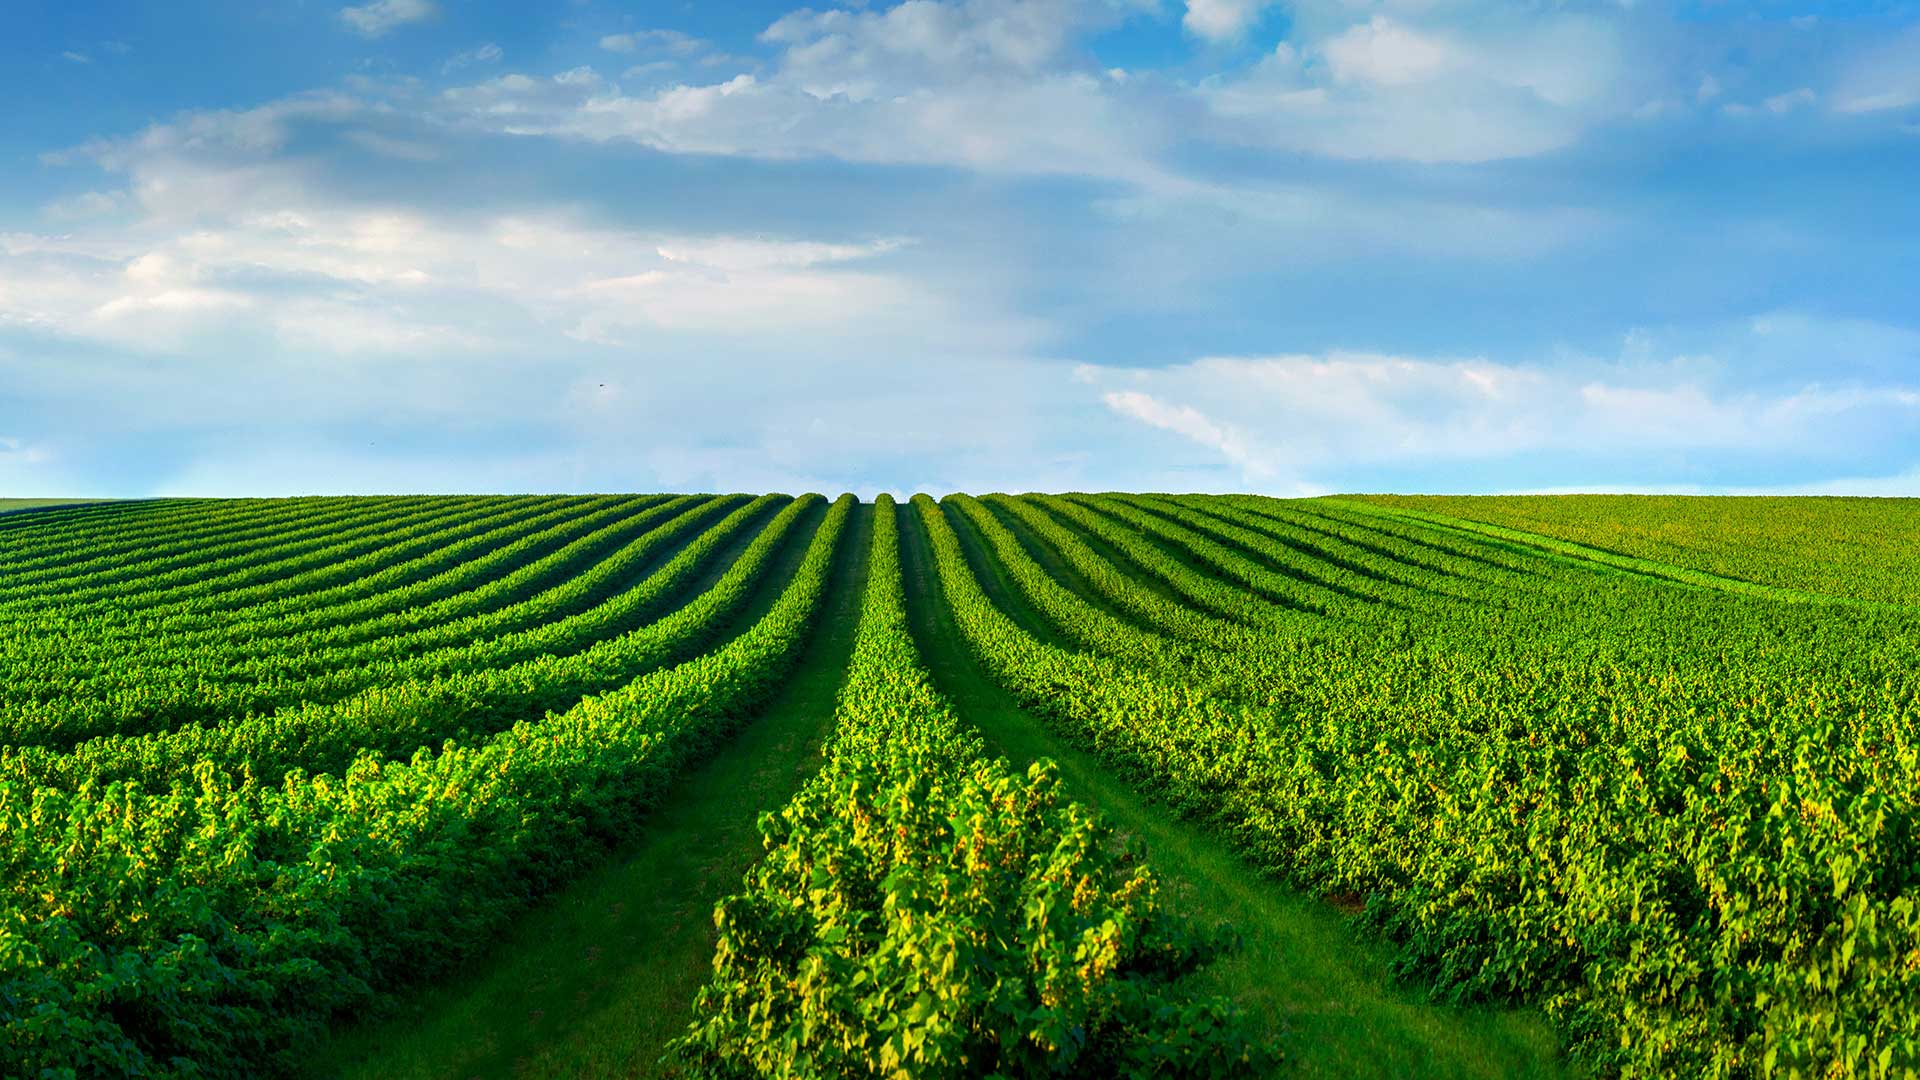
x=205, y=568
x=183, y=689
x=1624, y=800
x=479, y=564
x=922, y=910
x=262, y=761
x=392, y=719
x=213, y=927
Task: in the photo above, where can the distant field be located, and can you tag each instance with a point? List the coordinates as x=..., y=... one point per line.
x=29, y=504
x=1866, y=549
x=555, y=786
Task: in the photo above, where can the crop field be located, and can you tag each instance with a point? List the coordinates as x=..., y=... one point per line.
x=1082, y=785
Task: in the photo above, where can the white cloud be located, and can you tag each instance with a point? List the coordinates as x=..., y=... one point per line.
x=671, y=41
x=20, y=452
x=73, y=57
x=231, y=239
x=1192, y=423
x=1383, y=51
x=1057, y=124
x=389, y=146
x=291, y=329
x=1388, y=88
x=240, y=265
x=1883, y=77
x=1780, y=104
x=864, y=53
x=1222, y=20
x=1000, y=86
x=378, y=18
x=86, y=204
x=993, y=85
x=483, y=54
x=1777, y=105
x=1303, y=418
x=344, y=279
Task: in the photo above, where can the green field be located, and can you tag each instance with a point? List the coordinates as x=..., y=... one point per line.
x=1854, y=547
x=7, y=505
x=1088, y=785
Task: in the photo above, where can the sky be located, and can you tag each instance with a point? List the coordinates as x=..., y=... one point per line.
x=1214, y=245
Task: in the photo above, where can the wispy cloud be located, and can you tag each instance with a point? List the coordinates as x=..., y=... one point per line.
x=1307, y=419
x=672, y=41
x=483, y=54
x=382, y=16
x=1882, y=77
x=1390, y=89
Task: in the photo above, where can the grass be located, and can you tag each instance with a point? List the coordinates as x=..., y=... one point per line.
x=597, y=980
x=1576, y=552
x=7, y=505
x=1858, y=548
x=1312, y=985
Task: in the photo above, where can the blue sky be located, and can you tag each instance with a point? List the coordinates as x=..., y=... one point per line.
x=1295, y=247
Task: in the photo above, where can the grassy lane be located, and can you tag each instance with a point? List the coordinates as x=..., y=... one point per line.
x=596, y=980
x=1321, y=993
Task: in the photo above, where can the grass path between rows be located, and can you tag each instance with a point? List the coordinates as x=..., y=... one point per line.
x=595, y=981
x=1310, y=983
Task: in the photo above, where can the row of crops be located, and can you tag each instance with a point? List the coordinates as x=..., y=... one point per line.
x=1857, y=547
x=263, y=762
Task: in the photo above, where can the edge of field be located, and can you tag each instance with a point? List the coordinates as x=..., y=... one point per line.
x=1542, y=543
x=17, y=506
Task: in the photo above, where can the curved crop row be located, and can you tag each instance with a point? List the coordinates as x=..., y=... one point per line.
x=215, y=681
x=1674, y=866
x=429, y=567
x=394, y=718
x=1080, y=620
x=1205, y=591
x=1126, y=592
x=1288, y=555
x=193, y=562
x=924, y=911
x=225, y=922
x=75, y=541
x=216, y=568
x=1296, y=588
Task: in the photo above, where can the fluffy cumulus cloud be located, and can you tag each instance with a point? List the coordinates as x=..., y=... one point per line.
x=1222, y=20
